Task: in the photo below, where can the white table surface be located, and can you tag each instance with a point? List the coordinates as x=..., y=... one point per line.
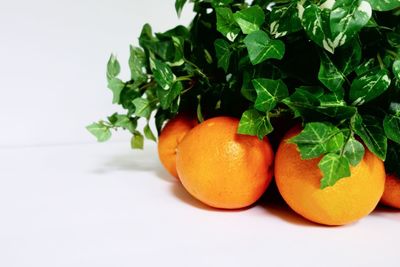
x=105, y=205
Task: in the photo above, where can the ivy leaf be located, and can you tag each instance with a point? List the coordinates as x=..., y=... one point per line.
x=254, y=123
x=347, y=18
x=368, y=87
x=303, y=101
x=247, y=89
x=261, y=47
x=336, y=143
x=391, y=126
x=396, y=69
x=384, y=5
x=284, y=20
x=348, y=57
x=116, y=86
x=137, y=63
x=224, y=52
x=333, y=167
x=100, y=131
x=316, y=24
x=137, y=141
x=148, y=133
x=226, y=23
x=143, y=107
x=366, y=67
x=113, y=68
x=314, y=139
x=179, y=4
x=166, y=97
x=163, y=74
x=372, y=133
x=269, y=93
x=123, y=121
x=354, y=151
x=250, y=19
x=330, y=76
x=179, y=53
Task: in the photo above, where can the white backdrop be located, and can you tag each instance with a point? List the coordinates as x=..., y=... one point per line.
x=53, y=58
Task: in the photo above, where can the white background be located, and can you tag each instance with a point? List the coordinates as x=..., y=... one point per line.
x=68, y=201
x=53, y=61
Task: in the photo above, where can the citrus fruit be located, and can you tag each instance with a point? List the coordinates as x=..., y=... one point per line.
x=170, y=137
x=347, y=201
x=391, y=195
x=222, y=168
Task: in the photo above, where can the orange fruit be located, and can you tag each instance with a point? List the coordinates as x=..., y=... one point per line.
x=171, y=135
x=222, y=168
x=391, y=196
x=347, y=201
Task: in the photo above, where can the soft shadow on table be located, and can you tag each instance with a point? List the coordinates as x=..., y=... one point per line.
x=386, y=212
x=180, y=193
x=273, y=204
x=141, y=161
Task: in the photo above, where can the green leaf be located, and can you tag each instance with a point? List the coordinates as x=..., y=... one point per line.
x=354, y=151
x=384, y=5
x=372, y=133
x=366, y=67
x=179, y=4
x=226, y=23
x=137, y=141
x=250, y=19
x=391, y=126
x=143, y=107
x=224, y=52
x=166, y=97
x=123, y=121
x=337, y=111
x=269, y=93
x=137, y=63
x=199, y=112
x=304, y=101
x=284, y=20
x=148, y=133
x=316, y=24
x=163, y=74
x=333, y=167
x=247, y=89
x=261, y=47
x=315, y=139
x=396, y=69
x=130, y=92
x=347, y=18
x=368, y=87
x=100, y=131
x=179, y=43
x=336, y=143
x=329, y=75
x=254, y=123
x=116, y=86
x=348, y=57
x=113, y=68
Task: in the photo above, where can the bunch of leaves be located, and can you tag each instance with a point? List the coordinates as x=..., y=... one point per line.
x=333, y=65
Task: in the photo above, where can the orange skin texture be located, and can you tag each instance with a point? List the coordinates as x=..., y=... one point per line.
x=347, y=201
x=391, y=196
x=222, y=168
x=171, y=135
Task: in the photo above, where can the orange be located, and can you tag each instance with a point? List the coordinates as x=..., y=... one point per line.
x=347, y=201
x=222, y=168
x=170, y=137
x=391, y=196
